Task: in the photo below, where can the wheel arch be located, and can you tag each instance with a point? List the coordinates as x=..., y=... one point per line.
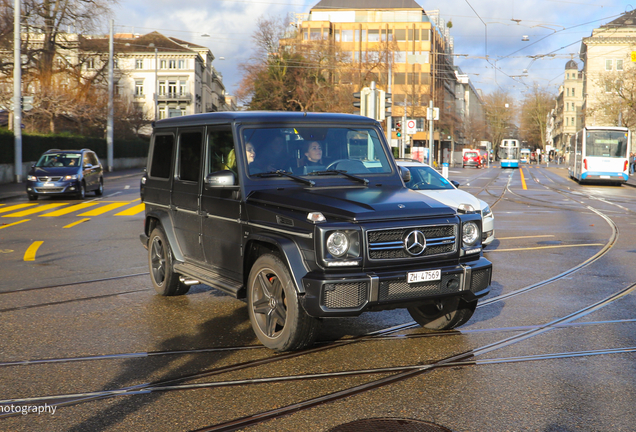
x=160, y=218
x=288, y=251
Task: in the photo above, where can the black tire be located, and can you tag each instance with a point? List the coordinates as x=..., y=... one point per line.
x=164, y=280
x=277, y=317
x=32, y=197
x=454, y=313
x=100, y=188
x=81, y=194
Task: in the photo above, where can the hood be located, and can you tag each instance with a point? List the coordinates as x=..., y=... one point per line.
x=53, y=171
x=355, y=204
x=452, y=197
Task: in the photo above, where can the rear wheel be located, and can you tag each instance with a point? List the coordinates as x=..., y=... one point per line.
x=444, y=314
x=277, y=317
x=100, y=188
x=164, y=279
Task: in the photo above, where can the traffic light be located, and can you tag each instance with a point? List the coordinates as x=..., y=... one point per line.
x=361, y=100
x=398, y=128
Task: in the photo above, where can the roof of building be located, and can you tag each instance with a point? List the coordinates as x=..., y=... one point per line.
x=367, y=4
x=628, y=19
x=571, y=64
x=141, y=44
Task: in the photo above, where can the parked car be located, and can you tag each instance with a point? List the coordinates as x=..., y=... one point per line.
x=429, y=182
x=335, y=240
x=472, y=159
x=65, y=172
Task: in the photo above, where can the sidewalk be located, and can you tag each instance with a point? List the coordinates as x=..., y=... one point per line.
x=17, y=190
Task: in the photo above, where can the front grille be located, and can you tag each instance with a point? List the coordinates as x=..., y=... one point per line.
x=389, y=243
x=45, y=179
x=49, y=189
x=480, y=280
x=345, y=295
x=400, y=289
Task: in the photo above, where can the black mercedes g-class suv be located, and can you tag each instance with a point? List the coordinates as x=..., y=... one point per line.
x=306, y=216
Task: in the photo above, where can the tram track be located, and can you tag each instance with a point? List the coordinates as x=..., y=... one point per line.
x=401, y=374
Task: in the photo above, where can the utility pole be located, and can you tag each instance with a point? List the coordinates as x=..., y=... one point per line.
x=111, y=114
x=430, y=131
x=17, y=93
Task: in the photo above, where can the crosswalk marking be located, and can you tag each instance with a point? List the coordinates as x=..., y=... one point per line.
x=77, y=222
x=29, y=255
x=132, y=211
x=37, y=209
x=104, y=209
x=16, y=207
x=14, y=223
x=70, y=209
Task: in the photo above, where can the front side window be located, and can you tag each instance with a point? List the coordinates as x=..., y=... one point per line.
x=161, y=156
x=612, y=144
x=312, y=150
x=426, y=178
x=190, y=144
x=221, y=154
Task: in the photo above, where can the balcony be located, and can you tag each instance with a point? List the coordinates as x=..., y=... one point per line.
x=174, y=97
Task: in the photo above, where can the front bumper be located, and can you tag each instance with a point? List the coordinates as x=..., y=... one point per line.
x=355, y=293
x=65, y=187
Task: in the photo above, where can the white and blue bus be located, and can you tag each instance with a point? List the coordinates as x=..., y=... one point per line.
x=599, y=154
x=509, y=153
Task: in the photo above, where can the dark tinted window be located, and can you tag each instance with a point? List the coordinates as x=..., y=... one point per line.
x=162, y=156
x=221, y=150
x=190, y=155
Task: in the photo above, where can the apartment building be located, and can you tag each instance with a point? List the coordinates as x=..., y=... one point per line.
x=567, y=116
x=420, y=68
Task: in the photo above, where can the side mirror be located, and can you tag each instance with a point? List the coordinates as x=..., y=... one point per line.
x=406, y=174
x=455, y=183
x=88, y=166
x=220, y=179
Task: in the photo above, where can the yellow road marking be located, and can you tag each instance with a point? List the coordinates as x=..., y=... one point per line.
x=15, y=207
x=101, y=210
x=29, y=255
x=138, y=199
x=523, y=180
x=68, y=210
x=37, y=209
x=14, y=223
x=521, y=237
x=132, y=211
x=544, y=247
x=77, y=223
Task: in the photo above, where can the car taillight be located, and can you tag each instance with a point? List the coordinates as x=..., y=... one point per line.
x=625, y=167
x=585, y=164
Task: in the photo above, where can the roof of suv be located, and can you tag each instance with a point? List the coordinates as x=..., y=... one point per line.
x=264, y=117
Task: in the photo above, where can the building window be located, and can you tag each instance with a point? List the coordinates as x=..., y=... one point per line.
x=619, y=65
x=567, y=90
x=162, y=113
x=305, y=34
x=139, y=87
x=414, y=35
x=337, y=35
x=567, y=121
x=411, y=78
x=172, y=88
x=608, y=65
x=399, y=78
x=182, y=88
x=374, y=35
x=387, y=35
x=139, y=63
x=400, y=35
x=182, y=64
x=172, y=64
x=347, y=35
x=115, y=63
x=90, y=63
x=162, y=64
x=314, y=34
x=425, y=34
x=357, y=35
x=162, y=88
x=573, y=91
x=399, y=57
x=425, y=79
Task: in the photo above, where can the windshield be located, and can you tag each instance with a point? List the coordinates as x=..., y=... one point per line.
x=306, y=150
x=59, y=160
x=509, y=152
x=611, y=144
x=426, y=178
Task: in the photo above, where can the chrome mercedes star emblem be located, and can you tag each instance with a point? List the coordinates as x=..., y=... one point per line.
x=401, y=205
x=415, y=243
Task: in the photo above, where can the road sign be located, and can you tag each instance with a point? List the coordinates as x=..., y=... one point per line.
x=410, y=126
x=633, y=55
x=27, y=103
x=432, y=112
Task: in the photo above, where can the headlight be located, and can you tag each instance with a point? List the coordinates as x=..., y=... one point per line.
x=486, y=212
x=337, y=244
x=32, y=178
x=71, y=177
x=470, y=234
x=465, y=208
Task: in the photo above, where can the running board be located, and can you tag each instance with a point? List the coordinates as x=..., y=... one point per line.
x=211, y=278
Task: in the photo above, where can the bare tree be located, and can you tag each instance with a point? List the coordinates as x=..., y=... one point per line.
x=535, y=107
x=617, y=98
x=499, y=115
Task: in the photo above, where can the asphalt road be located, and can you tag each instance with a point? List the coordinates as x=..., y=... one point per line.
x=550, y=349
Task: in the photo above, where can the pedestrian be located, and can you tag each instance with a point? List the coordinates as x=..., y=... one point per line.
x=632, y=163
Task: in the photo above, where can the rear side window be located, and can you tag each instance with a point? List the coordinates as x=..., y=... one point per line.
x=190, y=155
x=162, y=156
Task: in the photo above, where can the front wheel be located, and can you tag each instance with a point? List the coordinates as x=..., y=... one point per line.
x=444, y=314
x=100, y=188
x=33, y=197
x=277, y=317
x=165, y=281
x=81, y=194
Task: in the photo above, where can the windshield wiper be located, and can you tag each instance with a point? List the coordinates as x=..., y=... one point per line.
x=280, y=173
x=343, y=172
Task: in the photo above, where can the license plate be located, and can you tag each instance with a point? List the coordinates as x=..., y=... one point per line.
x=605, y=177
x=423, y=276
x=48, y=185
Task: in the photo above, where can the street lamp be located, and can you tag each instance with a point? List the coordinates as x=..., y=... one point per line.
x=156, y=97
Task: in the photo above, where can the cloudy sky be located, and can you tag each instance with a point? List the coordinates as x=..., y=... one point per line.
x=488, y=32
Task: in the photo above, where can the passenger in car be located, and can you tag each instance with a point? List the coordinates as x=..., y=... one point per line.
x=312, y=155
x=275, y=157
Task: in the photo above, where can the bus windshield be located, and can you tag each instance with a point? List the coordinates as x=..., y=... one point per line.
x=611, y=144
